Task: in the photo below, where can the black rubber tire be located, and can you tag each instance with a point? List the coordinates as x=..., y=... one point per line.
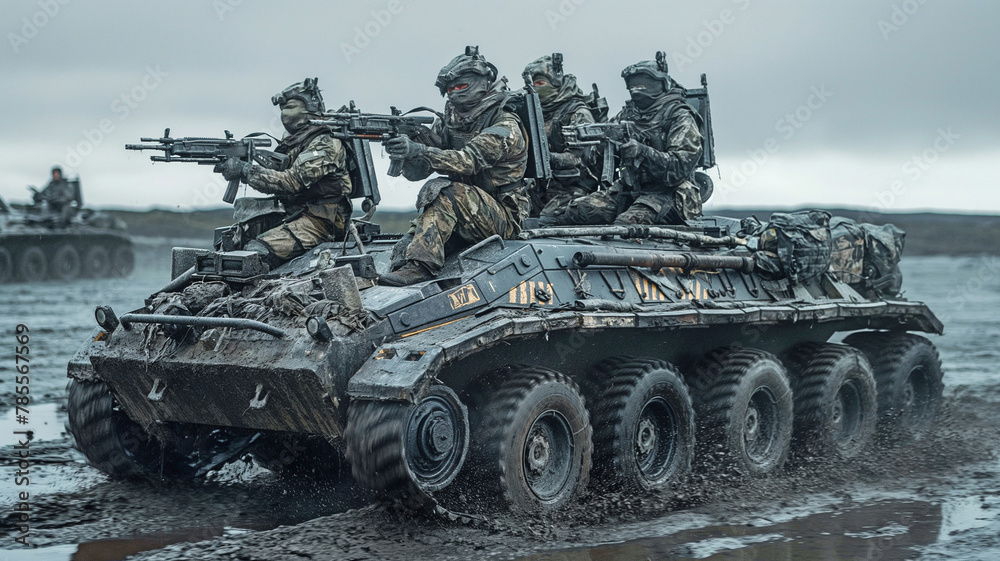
x=6, y=266
x=32, y=266
x=381, y=450
x=96, y=262
x=836, y=402
x=534, y=414
x=908, y=376
x=65, y=264
x=122, y=261
x=112, y=442
x=643, y=418
x=738, y=393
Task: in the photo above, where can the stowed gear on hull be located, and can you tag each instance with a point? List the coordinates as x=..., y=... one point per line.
x=484, y=384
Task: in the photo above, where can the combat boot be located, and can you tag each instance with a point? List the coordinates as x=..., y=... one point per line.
x=410, y=273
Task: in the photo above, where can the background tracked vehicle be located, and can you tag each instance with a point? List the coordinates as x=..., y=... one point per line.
x=529, y=367
x=38, y=243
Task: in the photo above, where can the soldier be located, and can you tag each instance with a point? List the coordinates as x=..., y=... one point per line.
x=482, y=150
x=314, y=189
x=563, y=104
x=59, y=195
x=663, y=158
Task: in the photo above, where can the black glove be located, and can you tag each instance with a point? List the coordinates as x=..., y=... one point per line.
x=402, y=148
x=632, y=149
x=232, y=169
x=564, y=160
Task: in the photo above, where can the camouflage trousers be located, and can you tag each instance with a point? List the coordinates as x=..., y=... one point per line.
x=315, y=225
x=600, y=207
x=555, y=211
x=465, y=211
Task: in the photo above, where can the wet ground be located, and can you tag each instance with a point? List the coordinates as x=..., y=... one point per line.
x=938, y=498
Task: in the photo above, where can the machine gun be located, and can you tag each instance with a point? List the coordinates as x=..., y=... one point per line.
x=609, y=137
x=349, y=123
x=211, y=151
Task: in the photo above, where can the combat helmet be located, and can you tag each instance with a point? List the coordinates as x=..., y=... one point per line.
x=656, y=70
x=307, y=91
x=471, y=62
x=550, y=66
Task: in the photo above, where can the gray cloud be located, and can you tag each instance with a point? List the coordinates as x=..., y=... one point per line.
x=898, y=70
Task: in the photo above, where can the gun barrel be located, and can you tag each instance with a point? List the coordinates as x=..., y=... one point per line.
x=145, y=146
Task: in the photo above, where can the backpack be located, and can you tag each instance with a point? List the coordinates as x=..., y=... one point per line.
x=794, y=246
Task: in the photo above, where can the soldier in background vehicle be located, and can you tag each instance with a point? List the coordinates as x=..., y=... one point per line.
x=314, y=189
x=663, y=158
x=482, y=150
x=563, y=104
x=59, y=195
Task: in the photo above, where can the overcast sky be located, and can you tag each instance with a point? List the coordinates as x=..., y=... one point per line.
x=888, y=105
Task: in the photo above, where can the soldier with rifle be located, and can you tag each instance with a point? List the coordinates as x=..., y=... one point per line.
x=59, y=195
x=481, y=148
x=563, y=104
x=313, y=187
x=658, y=151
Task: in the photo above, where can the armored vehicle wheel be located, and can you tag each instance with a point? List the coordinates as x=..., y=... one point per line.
x=644, y=423
x=65, y=263
x=743, y=406
x=6, y=266
x=122, y=261
x=908, y=377
x=96, y=261
x=112, y=442
x=32, y=265
x=402, y=449
x=835, y=399
x=533, y=442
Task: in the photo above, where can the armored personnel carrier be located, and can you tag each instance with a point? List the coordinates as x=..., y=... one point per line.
x=529, y=367
x=38, y=242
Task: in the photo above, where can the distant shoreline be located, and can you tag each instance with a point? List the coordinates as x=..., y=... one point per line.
x=927, y=233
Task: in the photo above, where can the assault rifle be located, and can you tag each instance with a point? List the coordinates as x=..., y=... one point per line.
x=211, y=151
x=610, y=137
x=350, y=123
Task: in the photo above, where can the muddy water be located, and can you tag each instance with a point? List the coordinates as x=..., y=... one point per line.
x=937, y=499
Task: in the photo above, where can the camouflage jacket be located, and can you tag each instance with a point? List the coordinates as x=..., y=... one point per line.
x=490, y=152
x=317, y=177
x=670, y=128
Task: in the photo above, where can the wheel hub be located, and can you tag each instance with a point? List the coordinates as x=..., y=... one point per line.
x=436, y=439
x=539, y=451
x=752, y=424
x=645, y=437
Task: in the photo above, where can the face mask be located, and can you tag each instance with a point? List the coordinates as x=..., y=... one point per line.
x=294, y=115
x=546, y=91
x=644, y=91
x=467, y=91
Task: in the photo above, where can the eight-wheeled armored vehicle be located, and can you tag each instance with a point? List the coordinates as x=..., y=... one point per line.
x=39, y=243
x=528, y=367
